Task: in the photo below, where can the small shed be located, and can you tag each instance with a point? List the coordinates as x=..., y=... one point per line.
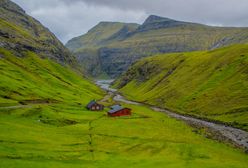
x=94, y=106
x=117, y=111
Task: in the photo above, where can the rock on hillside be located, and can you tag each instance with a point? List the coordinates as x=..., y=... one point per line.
x=20, y=32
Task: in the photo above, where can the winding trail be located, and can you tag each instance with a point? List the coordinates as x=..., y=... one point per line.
x=91, y=134
x=220, y=132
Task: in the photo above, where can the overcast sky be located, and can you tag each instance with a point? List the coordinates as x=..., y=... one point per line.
x=70, y=18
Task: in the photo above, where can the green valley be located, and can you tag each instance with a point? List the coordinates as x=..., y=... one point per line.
x=44, y=122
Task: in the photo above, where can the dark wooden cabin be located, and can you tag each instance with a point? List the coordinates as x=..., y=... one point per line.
x=94, y=106
x=117, y=111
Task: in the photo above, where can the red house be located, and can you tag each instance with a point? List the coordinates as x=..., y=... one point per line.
x=117, y=111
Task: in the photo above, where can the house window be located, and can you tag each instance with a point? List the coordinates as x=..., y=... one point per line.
x=93, y=108
x=97, y=107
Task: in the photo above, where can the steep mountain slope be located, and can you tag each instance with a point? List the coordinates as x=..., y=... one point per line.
x=87, y=46
x=209, y=84
x=101, y=34
x=29, y=57
x=20, y=32
x=33, y=80
x=155, y=35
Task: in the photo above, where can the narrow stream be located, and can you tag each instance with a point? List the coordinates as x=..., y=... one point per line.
x=222, y=132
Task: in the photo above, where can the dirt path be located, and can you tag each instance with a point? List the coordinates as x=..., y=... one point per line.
x=91, y=134
x=218, y=131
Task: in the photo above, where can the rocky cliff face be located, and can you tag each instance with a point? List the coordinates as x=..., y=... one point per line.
x=20, y=32
x=125, y=44
x=91, y=50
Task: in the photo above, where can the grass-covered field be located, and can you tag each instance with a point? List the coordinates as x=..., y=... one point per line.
x=55, y=130
x=67, y=135
x=209, y=84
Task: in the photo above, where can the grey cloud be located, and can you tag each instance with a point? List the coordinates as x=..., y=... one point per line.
x=70, y=18
x=219, y=12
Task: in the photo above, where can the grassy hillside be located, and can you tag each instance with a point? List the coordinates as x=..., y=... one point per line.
x=32, y=79
x=155, y=35
x=29, y=57
x=211, y=84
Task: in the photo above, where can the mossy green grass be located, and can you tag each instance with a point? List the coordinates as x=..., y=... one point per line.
x=44, y=123
x=210, y=84
x=67, y=135
x=32, y=79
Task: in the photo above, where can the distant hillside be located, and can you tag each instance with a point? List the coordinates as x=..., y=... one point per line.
x=20, y=33
x=110, y=50
x=209, y=84
x=101, y=34
x=88, y=47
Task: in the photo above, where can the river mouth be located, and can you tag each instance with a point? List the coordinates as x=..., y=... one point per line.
x=105, y=85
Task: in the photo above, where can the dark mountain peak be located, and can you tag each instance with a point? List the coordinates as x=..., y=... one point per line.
x=154, y=22
x=155, y=19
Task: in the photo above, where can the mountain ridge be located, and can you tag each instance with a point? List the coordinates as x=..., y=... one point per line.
x=103, y=31
x=112, y=56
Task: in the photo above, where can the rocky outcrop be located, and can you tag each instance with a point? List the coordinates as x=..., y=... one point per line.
x=20, y=32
